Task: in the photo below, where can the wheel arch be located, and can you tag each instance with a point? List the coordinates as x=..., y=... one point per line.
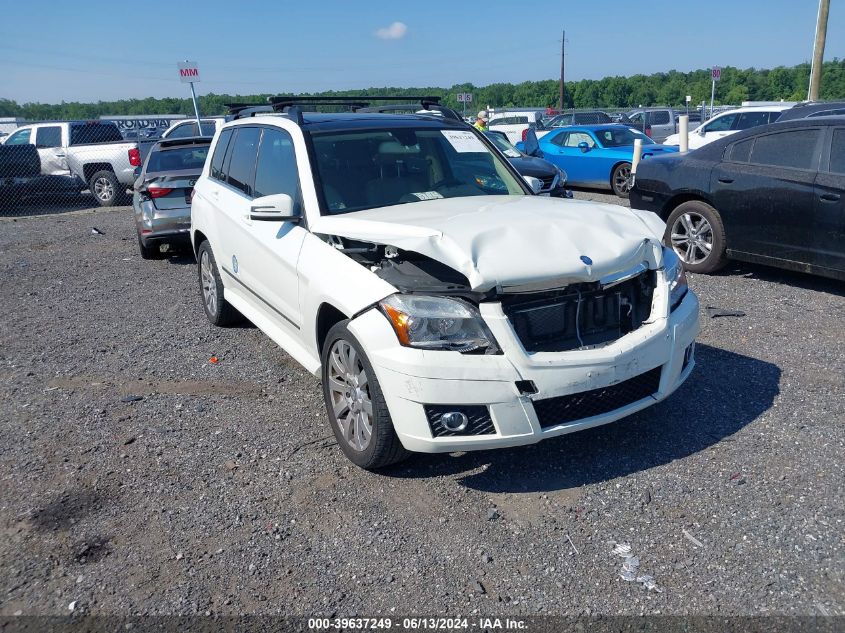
x=89, y=169
x=675, y=201
x=327, y=316
x=616, y=163
x=199, y=238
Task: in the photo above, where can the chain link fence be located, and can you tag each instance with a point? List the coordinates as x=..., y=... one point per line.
x=57, y=166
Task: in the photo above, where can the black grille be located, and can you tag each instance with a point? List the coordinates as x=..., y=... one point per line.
x=478, y=416
x=577, y=406
x=580, y=316
x=547, y=182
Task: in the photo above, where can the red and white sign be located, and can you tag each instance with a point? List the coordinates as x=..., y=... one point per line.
x=715, y=73
x=189, y=72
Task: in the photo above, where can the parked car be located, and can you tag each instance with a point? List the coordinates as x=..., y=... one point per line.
x=730, y=122
x=592, y=117
x=596, y=155
x=83, y=154
x=773, y=194
x=444, y=305
x=20, y=169
x=162, y=193
x=552, y=176
x=515, y=123
x=657, y=123
x=813, y=109
x=187, y=128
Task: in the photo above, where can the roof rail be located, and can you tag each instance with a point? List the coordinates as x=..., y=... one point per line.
x=448, y=113
x=243, y=110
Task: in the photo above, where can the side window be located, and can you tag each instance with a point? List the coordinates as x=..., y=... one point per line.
x=559, y=139
x=742, y=151
x=275, y=171
x=241, y=169
x=48, y=137
x=579, y=137
x=774, y=116
x=219, y=154
x=751, y=119
x=21, y=137
x=837, y=151
x=795, y=149
x=837, y=112
x=721, y=124
x=183, y=130
x=636, y=118
x=660, y=117
x=208, y=129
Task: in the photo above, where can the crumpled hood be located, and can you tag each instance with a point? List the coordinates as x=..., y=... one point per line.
x=503, y=242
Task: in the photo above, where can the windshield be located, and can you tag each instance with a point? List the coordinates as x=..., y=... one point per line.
x=375, y=168
x=503, y=145
x=620, y=137
x=177, y=159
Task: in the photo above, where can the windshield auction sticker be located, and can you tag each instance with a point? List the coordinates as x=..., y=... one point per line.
x=464, y=142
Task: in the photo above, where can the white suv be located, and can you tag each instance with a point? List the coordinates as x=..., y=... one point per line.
x=444, y=305
x=730, y=122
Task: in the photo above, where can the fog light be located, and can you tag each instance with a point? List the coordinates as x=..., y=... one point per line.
x=455, y=421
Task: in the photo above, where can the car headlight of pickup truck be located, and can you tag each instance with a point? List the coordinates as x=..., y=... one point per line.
x=442, y=323
x=676, y=277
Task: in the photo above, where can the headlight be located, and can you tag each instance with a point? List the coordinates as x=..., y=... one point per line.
x=437, y=323
x=676, y=277
x=561, y=177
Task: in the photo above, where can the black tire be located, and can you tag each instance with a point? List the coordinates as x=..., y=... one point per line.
x=219, y=311
x=105, y=188
x=680, y=238
x=149, y=252
x=384, y=447
x=620, y=179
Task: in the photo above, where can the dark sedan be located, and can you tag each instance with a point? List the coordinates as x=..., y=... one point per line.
x=773, y=194
x=552, y=177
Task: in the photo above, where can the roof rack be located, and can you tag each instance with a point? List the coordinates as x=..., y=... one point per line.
x=243, y=110
x=291, y=104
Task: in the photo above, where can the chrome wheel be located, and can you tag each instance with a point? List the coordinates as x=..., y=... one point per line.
x=349, y=395
x=622, y=179
x=692, y=238
x=103, y=188
x=209, y=284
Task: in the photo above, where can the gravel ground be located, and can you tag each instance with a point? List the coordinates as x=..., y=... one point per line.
x=139, y=478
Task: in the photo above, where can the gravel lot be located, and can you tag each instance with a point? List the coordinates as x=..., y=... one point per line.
x=220, y=489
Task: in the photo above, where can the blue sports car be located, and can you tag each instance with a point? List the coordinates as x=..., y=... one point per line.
x=595, y=155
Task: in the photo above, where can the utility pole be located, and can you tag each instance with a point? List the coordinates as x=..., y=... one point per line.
x=562, y=66
x=818, y=50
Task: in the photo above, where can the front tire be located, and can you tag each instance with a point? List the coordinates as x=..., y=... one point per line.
x=696, y=233
x=355, y=404
x=105, y=187
x=219, y=311
x=620, y=179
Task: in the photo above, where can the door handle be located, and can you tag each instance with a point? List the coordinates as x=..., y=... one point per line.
x=60, y=155
x=726, y=181
x=830, y=197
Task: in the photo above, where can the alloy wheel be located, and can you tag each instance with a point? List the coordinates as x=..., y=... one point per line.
x=350, y=395
x=623, y=179
x=103, y=189
x=209, y=284
x=692, y=238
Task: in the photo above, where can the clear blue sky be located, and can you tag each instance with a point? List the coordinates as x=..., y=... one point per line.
x=72, y=51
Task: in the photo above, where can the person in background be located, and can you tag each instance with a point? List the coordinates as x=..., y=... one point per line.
x=481, y=122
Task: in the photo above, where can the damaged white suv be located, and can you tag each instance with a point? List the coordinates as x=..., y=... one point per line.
x=444, y=305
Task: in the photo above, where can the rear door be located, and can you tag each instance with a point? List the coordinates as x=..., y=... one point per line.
x=829, y=205
x=764, y=190
x=51, y=150
x=662, y=124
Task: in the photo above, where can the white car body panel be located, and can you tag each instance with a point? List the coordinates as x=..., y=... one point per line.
x=280, y=275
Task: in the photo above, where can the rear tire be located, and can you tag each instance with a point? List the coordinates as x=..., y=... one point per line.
x=219, y=311
x=149, y=252
x=355, y=404
x=620, y=179
x=105, y=187
x=694, y=230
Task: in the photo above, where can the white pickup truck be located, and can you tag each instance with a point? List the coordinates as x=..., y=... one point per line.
x=82, y=155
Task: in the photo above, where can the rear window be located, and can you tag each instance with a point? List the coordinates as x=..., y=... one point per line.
x=178, y=158
x=659, y=117
x=88, y=133
x=741, y=152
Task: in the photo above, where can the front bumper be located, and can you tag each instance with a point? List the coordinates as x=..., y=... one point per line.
x=411, y=379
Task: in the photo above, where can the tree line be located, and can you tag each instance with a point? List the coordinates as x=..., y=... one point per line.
x=669, y=88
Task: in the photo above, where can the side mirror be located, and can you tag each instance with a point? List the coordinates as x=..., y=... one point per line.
x=535, y=183
x=274, y=208
x=532, y=145
x=583, y=147
x=700, y=131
